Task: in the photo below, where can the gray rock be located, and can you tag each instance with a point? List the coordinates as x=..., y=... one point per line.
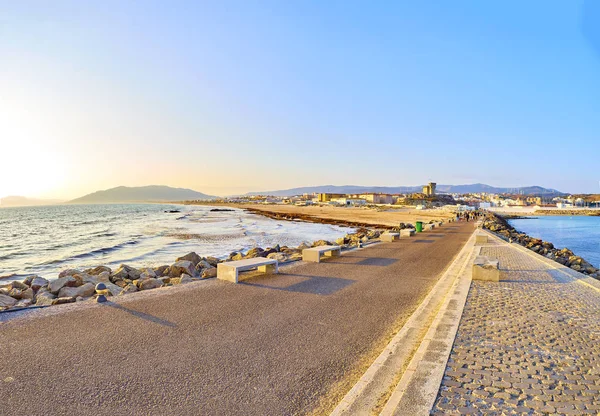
x=193, y=257
x=38, y=282
x=128, y=289
x=125, y=272
x=280, y=257
x=56, y=285
x=213, y=261
x=85, y=291
x=21, y=294
x=97, y=270
x=160, y=270
x=68, y=272
x=181, y=267
x=7, y=301
x=209, y=272
x=151, y=283
x=44, y=298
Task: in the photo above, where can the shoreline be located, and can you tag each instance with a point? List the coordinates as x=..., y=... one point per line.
x=74, y=285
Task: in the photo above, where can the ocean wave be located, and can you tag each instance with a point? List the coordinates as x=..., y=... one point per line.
x=93, y=253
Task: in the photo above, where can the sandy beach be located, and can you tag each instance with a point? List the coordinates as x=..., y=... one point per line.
x=386, y=217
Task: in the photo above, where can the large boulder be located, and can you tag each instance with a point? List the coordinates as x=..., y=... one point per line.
x=254, y=252
x=148, y=274
x=97, y=270
x=150, y=284
x=160, y=270
x=21, y=294
x=7, y=301
x=280, y=257
x=38, y=282
x=185, y=278
x=213, y=261
x=85, y=291
x=68, y=272
x=201, y=266
x=113, y=289
x=125, y=272
x=70, y=281
x=235, y=256
x=209, y=272
x=18, y=285
x=181, y=267
x=128, y=289
x=44, y=298
x=193, y=257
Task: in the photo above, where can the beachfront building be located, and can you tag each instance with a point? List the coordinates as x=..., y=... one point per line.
x=429, y=189
x=326, y=197
x=349, y=201
x=377, y=198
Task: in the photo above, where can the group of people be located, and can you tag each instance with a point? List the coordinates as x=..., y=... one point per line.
x=469, y=215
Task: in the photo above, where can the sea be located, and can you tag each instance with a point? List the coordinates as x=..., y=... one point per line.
x=47, y=239
x=580, y=234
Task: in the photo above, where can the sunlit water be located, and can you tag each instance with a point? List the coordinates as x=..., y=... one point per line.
x=45, y=240
x=578, y=233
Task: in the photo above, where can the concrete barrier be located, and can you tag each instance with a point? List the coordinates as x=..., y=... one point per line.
x=487, y=269
x=407, y=232
x=481, y=239
x=389, y=237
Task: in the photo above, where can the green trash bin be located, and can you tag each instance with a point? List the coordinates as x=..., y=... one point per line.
x=419, y=226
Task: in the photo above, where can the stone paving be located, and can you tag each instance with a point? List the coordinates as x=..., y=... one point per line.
x=529, y=344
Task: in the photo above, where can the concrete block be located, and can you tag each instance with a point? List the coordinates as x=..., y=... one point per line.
x=487, y=269
x=481, y=239
x=389, y=237
x=407, y=232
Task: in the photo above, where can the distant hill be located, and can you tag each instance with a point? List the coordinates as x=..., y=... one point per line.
x=152, y=193
x=461, y=189
x=21, y=201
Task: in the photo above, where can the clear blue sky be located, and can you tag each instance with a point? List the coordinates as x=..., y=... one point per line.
x=230, y=96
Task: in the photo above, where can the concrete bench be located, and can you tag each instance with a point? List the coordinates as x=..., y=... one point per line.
x=485, y=268
x=407, y=232
x=428, y=227
x=229, y=270
x=314, y=254
x=481, y=239
x=389, y=237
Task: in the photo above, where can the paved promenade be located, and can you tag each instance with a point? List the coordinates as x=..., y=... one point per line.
x=278, y=345
x=529, y=344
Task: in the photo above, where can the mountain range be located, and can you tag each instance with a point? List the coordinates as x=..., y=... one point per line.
x=152, y=193
x=459, y=189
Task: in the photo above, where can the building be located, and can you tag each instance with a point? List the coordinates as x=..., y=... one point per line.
x=429, y=189
x=349, y=201
x=328, y=197
x=377, y=198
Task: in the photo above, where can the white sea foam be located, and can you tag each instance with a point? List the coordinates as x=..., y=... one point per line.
x=45, y=240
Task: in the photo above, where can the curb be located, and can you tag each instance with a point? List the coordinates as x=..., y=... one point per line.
x=418, y=330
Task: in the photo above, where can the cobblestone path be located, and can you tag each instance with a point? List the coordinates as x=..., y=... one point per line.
x=529, y=344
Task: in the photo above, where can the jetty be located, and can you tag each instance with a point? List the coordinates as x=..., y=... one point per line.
x=394, y=328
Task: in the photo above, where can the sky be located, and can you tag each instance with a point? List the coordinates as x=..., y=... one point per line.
x=226, y=97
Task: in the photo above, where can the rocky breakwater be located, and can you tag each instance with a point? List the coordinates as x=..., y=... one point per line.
x=74, y=285
x=564, y=256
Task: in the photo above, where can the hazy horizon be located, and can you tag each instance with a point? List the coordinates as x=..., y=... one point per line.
x=237, y=96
